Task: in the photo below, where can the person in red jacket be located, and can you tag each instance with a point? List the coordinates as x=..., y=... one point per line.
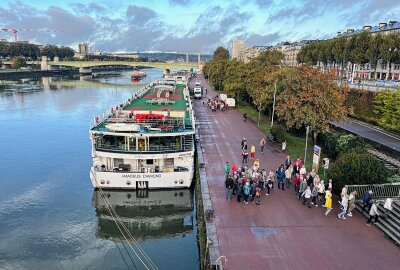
x=234, y=169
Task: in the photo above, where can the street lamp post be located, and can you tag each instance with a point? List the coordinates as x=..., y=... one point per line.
x=273, y=107
x=259, y=112
x=305, y=150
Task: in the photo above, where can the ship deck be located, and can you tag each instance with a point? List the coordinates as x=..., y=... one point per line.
x=162, y=109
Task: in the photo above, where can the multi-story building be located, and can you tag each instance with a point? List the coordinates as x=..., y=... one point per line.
x=238, y=46
x=83, y=48
x=381, y=70
x=290, y=50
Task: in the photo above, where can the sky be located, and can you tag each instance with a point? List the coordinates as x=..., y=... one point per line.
x=192, y=26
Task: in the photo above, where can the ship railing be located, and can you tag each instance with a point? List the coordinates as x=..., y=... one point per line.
x=180, y=123
x=156, y=149
x=124, y=168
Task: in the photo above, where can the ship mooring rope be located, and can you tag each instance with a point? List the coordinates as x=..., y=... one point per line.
x=149, y=263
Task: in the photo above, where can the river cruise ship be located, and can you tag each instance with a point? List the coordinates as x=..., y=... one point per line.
x=147, y=141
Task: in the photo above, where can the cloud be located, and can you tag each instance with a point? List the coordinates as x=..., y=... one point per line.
x=179, y=2
x=88, y=8
x=213, y=28
x=140, y=15
x=261, y=40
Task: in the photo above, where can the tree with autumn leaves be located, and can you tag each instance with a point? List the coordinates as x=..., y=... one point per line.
x=307, y=97
x=304, y=96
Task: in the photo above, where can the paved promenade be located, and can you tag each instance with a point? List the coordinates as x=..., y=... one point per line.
x=281, y=233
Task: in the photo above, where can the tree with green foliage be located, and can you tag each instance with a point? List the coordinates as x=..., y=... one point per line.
x=356, y=168
x=221, y=54
x=387, y=108
x=373, y=53
x=390, y=50
x=18, y=62
x=236, y=79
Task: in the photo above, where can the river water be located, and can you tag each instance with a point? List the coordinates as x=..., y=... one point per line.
x=50, y=215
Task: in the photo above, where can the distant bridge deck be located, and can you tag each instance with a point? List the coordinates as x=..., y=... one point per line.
x=87, y=64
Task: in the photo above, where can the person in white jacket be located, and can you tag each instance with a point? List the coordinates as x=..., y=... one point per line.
x=373, y=212
x=344, y=203
x=388, y=207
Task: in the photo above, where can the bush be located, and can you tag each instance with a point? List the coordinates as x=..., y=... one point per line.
x=328, y=142
x=279, y=133
x=361, y=103
x=357, y=169
x=349, y=143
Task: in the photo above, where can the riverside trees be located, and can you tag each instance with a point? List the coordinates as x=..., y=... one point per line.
x=304, y=96
x=358, y=49
x=27, y=50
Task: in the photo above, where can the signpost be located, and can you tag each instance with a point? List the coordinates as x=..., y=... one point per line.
x=325, y=165
x=316, y=157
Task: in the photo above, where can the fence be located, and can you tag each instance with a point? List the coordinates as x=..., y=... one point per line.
x=381, y=191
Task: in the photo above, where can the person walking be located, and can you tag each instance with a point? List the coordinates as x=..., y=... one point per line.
x=258, y=195
x=344, y=203
x=239, y=192
x=373, y=213
x=314, y=194
x=246, y=192
x=288, y=176
x=234, y=168
x=226, y=169
x=288, y=162
x=270, y=182
x=280, y=175
x=245, y=155
x=388, y=207
x=252, y=152
x=307, y=197
x=229, y=187
x=321, y=190
x=243, y=144
x=352, y=203
x=296, y=182
x=303, y=170
x=262, y=145
x=245, y=117
x=253, y=188
x=328, y=201
x=303, y=187
x=367, y=200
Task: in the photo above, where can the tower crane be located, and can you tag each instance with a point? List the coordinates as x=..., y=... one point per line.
x=15, y=31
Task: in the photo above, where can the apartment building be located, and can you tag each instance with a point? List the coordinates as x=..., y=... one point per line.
x=382, y=70
x=238, y=46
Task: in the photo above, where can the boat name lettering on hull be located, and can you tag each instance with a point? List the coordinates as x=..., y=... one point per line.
x=141, y=175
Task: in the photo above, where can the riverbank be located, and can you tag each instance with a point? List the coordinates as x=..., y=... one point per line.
x=22, y=74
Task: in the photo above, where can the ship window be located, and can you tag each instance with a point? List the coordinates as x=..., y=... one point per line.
x=149, y=161
x=118, y=161
x=169, y=162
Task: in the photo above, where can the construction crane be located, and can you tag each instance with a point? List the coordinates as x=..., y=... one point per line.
x=15, y=31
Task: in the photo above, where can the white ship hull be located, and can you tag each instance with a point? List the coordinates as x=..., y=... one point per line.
x=132, y=180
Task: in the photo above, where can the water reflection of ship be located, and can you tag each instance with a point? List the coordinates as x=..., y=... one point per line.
x=146, y=213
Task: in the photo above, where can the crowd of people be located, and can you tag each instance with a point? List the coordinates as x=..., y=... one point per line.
x=216, y=104
x=249, y=182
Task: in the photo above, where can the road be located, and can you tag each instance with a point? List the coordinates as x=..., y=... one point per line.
x=371, y=133
x=281, y=233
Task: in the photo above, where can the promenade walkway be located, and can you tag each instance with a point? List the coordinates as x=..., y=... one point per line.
x=281, y=233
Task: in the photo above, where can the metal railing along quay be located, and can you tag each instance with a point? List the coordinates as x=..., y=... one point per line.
x=381, y=191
